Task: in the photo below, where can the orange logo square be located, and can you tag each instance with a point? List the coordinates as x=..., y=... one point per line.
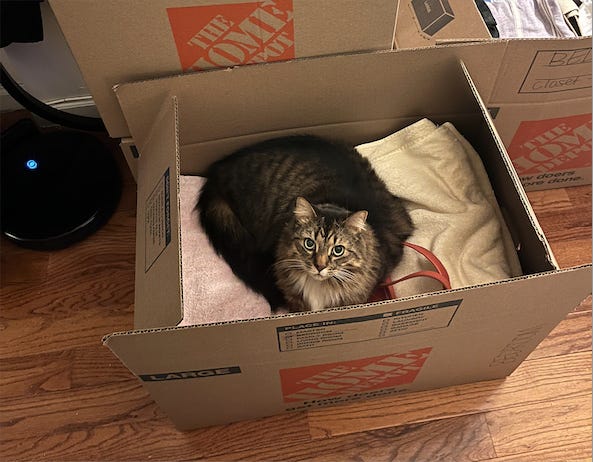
x=349, y=377
x=542, y=146
x=233, y=34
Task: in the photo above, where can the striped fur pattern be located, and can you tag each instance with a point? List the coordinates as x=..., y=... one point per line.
x=304, y=221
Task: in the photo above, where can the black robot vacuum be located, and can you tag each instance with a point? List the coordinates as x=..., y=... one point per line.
x=57, y=187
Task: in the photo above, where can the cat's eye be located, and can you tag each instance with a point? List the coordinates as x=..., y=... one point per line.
x=338, y=250
x=309, y=243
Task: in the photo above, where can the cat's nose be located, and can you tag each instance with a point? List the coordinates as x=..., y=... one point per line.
x=320, y=263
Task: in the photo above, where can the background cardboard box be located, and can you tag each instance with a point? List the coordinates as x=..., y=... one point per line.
x=422, y=23
x=542, y=106
x=121, y=41
x=200, y=375
x=543, y=86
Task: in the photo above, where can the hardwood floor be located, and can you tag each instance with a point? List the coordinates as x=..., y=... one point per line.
x=63, y=396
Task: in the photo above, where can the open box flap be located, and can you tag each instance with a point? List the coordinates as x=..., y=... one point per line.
x=464, y=335
x=522, y=218
x=544, y=298
x=158, y=299
x=309, y=92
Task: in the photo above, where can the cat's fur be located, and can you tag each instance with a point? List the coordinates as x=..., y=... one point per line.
x=259, y=205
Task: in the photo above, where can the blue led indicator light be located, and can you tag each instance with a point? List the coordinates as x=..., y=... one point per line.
x=32, y=164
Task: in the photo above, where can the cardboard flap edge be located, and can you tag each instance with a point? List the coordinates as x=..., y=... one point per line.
x=511, y=171
x=159, y=298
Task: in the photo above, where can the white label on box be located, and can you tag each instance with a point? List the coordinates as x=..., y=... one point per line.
x=558, y=70
x=363, y=328
x=157, y=221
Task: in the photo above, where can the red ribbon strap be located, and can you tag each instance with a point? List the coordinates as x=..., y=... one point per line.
x=440, y=274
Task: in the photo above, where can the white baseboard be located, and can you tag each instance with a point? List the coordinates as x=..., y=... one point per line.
x=79, y=105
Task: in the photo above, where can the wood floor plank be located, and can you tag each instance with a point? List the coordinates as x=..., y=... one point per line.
x=551, y=201
x=24, y=266
x=458, y=439
x=541, y=426
x=564, y=214
x=535, y=381
x=29, y=375
x=572, y=224
x=580, y=196
x=109, y=291
x=98, y=272
x=157, y=439
x=585, y=305
x=85, y=327
x=575, y=452
x=88, y=293
x=572, y=253
x=571, y=336
x=560, y=200
x=64, y=411
x=96, y=365
x=128, y=197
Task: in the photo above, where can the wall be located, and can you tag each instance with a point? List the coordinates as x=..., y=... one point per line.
x=47, y=70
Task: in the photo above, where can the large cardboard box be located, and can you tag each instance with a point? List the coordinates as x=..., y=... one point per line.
x=541, y=97
x=117, y=41
x=217, y=373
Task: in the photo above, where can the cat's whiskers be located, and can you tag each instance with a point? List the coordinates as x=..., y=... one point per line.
x=344, y=275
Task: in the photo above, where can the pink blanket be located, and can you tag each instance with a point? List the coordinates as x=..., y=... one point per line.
x=211, y=292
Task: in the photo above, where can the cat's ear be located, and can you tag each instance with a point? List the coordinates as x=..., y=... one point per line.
x=303, y=211
x=357, y=220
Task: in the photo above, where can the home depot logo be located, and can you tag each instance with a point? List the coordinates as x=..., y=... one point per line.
x=233, y=34
x=349, y=377
x=551, y=145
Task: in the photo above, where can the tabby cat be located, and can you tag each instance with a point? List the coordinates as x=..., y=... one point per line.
x=304, y=221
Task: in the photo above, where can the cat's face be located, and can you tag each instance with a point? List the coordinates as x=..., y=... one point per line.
x=328, y=248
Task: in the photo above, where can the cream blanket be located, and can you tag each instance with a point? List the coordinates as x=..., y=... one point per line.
x=448, y=194
x=451, y=202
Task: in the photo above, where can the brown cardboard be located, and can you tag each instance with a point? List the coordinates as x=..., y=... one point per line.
x=537, y=71
x=548, y=148
x=542, y=103
x=120, y=41
x=158, y=273
x=422, y=23
x=487, y=336
x=201, y=375
x=532, y=72
x=375, y=102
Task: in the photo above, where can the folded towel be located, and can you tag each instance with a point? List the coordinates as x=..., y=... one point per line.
x=451, y=202
x=529, y=19
x=585, y=17
x=448, y=194
x=570, y=10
